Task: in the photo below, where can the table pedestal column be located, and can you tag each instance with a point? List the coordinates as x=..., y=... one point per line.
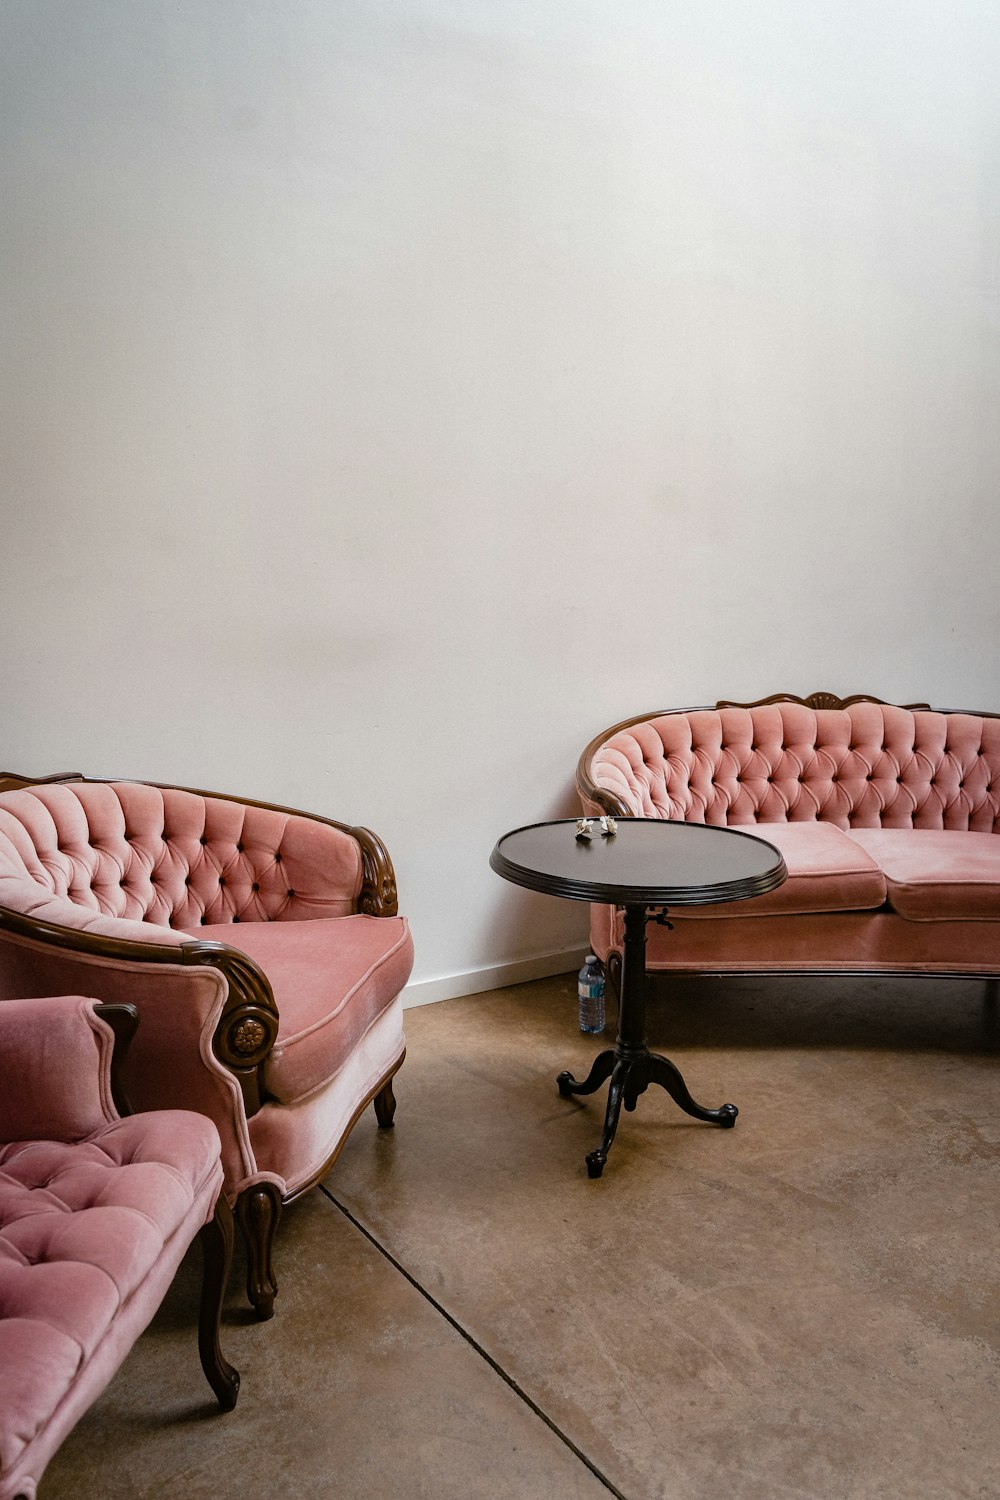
x=630, y=1065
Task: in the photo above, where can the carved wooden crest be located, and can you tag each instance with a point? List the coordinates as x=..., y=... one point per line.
x=817, y=701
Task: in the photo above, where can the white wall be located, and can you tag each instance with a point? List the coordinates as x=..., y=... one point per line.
x=395, y=392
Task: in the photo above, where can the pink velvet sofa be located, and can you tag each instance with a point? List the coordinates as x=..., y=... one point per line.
x=96, y=1213
x=886, y=817
x=261, y=946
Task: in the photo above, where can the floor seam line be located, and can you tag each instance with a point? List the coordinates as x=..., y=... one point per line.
x=477, y=1347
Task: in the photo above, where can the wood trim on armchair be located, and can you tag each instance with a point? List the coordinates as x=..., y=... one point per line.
x=124, y=1022
x=248, y=1026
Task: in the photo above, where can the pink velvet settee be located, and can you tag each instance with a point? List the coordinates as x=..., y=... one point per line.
x=96, y=1214
x=886, y=817
x=261, y=946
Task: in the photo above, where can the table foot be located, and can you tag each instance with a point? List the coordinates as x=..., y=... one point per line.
x=601, y=1069
x=631, y=1076
x=619, y=1083
x=668, y=1076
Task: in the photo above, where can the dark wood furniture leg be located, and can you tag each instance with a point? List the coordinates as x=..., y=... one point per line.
x=258, y=1210
x=217, y=1257
x=632, y=1067
x=385, y=1105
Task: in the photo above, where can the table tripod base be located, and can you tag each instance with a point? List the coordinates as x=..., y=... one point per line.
x=631, y=1073
x=630, y=1065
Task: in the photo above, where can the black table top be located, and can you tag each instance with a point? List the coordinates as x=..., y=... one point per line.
x=649, y=861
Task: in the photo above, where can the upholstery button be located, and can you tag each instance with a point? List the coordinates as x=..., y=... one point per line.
x=222, y=880
x=235, y=917
x=277, y=857
x=204, y=920
x=291, y=894
x=255, y=886
x=203, y=840
x=187, y=879
x=239, y=848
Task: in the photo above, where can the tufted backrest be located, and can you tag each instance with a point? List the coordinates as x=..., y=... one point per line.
x=78, y=852
x=867, y=765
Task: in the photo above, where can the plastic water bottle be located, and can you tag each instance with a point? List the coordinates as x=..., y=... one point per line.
x=590, y=988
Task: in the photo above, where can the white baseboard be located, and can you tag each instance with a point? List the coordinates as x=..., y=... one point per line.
x=475, y=981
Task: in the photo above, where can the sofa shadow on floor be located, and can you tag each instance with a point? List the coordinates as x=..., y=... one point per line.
x=889, y=1011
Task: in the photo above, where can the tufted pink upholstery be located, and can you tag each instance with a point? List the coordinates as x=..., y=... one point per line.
x=867, y=766
x=885, y=817
x=935, y=876
x=95, y=1215
x=56, y=1071
x=332, y=981
x=174, y=858
x=829, y=871
x=253, y=948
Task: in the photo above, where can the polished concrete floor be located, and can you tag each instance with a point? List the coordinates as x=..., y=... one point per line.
x=804, y=1308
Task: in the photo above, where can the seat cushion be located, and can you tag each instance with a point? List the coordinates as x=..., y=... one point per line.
x=827, y=871
x=332, y=978
x=81, y=1226
x=936, y=876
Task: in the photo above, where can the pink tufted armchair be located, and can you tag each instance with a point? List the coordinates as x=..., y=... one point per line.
x=96, y=1214
x=260, y=945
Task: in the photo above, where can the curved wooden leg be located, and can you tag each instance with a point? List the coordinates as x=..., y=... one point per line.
x=385, y=1105
x=217, y=1256
x=258, y=1210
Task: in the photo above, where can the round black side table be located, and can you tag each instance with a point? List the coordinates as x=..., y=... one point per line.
x=647, y=866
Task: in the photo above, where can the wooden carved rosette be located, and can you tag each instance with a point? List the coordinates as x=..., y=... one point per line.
x=248, y=1026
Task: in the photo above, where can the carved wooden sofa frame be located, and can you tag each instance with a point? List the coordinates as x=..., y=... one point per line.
x=681, y=764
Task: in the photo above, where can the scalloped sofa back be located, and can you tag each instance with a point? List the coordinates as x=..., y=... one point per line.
x=885, y=815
